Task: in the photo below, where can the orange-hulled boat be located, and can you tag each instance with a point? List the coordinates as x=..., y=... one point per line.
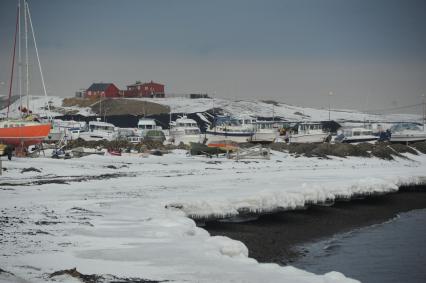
x=23, y=133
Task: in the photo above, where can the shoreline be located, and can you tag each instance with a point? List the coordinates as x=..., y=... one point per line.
x=275, y=237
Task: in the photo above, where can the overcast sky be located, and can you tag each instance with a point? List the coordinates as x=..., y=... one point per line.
x=370, y=53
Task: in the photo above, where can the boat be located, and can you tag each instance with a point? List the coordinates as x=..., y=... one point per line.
x=229, y=129
x=99, y=130
x=149, y=130
x=307, y=132
x=266, y=131
x=184, y=130
x=407, y=132
x=355, y=135
x=22, y=133
x=114, y=152
x=145, y=124
x=154, y=135
x=27, y=129
x=65, y=130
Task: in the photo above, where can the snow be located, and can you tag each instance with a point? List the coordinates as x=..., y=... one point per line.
x=236, y=108
x=134, y=221
x=265, y=109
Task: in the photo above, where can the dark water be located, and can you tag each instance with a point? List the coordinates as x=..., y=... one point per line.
x=394, y=251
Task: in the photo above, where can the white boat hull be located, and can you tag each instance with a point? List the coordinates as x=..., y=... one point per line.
x=186, y=139
x=359, y=139
x=213, y=137
x=265, y=136
x=97, y=136
x=408, y=137
x=308, y=138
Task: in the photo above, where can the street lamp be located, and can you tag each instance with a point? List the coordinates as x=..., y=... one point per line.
x=330, y=94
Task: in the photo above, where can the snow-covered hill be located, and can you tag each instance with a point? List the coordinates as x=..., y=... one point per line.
x=239, y=107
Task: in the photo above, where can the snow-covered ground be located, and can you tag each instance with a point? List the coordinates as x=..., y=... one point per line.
x=131, y=219
x=265, y=109
x=240, y=107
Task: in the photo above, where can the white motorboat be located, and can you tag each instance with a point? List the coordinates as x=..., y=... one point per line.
x=147, y=124
x=149, y=130
x=407, y=132
x=184, y=130
x=99, y=130
x=307, y=132
x=229, y=129
x=65, y=130
x=354, y=135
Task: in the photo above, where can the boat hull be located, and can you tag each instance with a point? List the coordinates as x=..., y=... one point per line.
x=308, y=138
x=187, y=139
x=408, y=138
x=213, y=137
x=359, y=140
x=265, y=136
x=25, y=135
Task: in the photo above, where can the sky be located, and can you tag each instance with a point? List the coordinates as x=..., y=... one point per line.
x=370, y=54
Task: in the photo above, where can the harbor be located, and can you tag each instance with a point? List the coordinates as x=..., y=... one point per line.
x=226, y=141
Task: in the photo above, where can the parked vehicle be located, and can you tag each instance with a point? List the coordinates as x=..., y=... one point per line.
x=6, y=150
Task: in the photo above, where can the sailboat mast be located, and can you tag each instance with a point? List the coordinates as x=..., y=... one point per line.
x=13, y=63
x=27, y=79
x=20, y=58
x=38, y=58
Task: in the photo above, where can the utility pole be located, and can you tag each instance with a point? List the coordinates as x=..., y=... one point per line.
x=424, y=110
x=330, y=94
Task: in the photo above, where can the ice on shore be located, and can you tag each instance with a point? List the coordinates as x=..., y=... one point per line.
x=135, y=223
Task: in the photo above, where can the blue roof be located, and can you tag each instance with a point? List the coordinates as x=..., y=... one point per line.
x=99, y=87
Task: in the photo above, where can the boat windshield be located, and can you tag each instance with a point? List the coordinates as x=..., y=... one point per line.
x=189, y=125
x=146, y=127
x=101, y=128
x=192, y=131
x=227, y=121
x=404, y=126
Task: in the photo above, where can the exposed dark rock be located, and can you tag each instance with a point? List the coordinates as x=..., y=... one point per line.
x=93, y=278
x=30, y=169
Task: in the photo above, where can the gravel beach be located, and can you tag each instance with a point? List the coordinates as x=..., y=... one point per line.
x=272, y=238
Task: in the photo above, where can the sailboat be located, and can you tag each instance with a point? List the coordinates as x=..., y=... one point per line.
x=27, y=129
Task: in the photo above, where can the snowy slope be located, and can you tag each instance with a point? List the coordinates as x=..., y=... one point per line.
x=132, y=221
x=263, y=109
x=241, y=107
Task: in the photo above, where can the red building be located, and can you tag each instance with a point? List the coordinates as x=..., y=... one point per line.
x=150, y=89
x=103, y=89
